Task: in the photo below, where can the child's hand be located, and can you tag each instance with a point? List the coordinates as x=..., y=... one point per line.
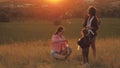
x=67, y=45
x=78, y=48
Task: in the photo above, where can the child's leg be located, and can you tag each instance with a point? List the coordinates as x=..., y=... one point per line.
x=60, y=57
x=84, y=55
x=67, y=52
x=57, y=56
x=87, y=54
x=93, y=47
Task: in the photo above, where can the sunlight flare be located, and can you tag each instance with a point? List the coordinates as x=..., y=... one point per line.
x=54, y=1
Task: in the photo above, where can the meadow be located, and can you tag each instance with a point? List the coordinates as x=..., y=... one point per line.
x=31, y=30
x=26, y=44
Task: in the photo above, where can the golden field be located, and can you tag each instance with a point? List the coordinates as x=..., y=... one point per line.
x=36, y=54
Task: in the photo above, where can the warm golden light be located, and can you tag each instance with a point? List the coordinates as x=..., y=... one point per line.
x=54, y=1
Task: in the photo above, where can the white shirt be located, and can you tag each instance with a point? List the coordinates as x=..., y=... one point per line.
x=89, y=22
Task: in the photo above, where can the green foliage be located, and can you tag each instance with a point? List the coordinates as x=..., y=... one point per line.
x=4, y=17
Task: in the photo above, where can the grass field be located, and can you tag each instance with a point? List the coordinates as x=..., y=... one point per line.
x=36, y=54
x=20, y=31
x=26, y=44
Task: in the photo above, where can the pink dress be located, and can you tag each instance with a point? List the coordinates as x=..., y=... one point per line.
x=57, y=43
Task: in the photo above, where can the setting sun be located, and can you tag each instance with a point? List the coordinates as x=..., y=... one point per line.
x=54, y=1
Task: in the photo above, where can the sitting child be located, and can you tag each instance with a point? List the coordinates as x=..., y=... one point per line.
x=60, y=48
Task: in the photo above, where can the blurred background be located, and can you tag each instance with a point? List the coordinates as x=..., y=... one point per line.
x=53, y=10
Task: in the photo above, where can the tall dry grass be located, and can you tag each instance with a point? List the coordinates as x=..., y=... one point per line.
x=36, y=54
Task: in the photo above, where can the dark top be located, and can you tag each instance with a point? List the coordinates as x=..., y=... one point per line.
x=95, y=23
x=84, y=42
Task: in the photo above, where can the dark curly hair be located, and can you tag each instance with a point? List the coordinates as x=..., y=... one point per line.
x=92, y=11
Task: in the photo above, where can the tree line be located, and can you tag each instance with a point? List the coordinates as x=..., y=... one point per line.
x=70, y=9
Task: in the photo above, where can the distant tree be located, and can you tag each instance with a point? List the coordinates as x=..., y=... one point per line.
x=108, y=8
x=4, y=17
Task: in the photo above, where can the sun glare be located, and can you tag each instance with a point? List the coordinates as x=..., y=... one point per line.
x=54, y=1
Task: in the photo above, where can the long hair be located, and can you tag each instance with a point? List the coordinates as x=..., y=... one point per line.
x=59, y=29
x=92, y=11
